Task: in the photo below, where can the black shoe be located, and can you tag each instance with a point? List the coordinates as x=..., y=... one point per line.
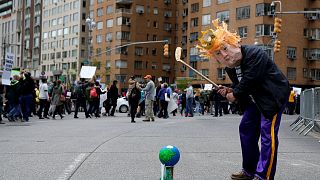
x=61, y=116
x=76, y=117
x=241, y=176
x=46, y=117
x=133, y=121
x=41, y=118
x=2, y=122
x=146, y=120
x=88, y=116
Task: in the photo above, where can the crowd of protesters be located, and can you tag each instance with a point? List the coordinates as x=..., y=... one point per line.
x=24, y=98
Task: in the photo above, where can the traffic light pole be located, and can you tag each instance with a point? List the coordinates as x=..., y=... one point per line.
x=129, y=44
x=277, y=24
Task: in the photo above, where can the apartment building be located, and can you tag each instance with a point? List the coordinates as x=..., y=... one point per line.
x=31, y=36
x=64, y=35
x=10, y=30
x=299, y=58
x=121, y=22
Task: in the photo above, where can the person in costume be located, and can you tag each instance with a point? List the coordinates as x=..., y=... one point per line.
x=262, y=92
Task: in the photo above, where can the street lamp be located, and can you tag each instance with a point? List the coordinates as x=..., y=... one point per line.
x=91, y=25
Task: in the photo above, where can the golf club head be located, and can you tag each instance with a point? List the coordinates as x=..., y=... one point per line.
x=178, y=53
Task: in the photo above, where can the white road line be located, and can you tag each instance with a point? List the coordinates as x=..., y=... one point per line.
x=72, y=167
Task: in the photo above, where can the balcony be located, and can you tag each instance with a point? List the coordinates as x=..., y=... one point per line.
x=124, y=1
x=124, y=10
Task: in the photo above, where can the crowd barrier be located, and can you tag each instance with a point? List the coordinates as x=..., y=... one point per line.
x=309, y=111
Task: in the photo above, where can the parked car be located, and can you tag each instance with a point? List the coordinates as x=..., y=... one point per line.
x=122, y=105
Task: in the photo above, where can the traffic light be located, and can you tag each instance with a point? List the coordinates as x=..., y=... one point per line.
x=277, y=25
x=277, y=45
x=166, y=50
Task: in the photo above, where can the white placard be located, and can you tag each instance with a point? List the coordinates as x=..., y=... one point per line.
x=297, y=90
x=87, y=71
x=7, y=69
x=208, y=87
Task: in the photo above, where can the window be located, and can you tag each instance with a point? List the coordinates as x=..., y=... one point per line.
x=98, y=38
x=45, y=35
x=155, y=10
x=75, y=16
x=65, y=31
x=53, y=33
x=109, y=23
x=75, y=29
x=243, y=12
x=138, y=64
x=121, y=64
x=65, y=43
x=291, y=52
x=264, y=29
x=109, y=9
x=221, y=73
x=58, y=55
x=109, y=37
x=206, y=3
x=64, y=54
x=223, y=16
x=206, y=19
x=123, y=35
x=139, y=51
x=52, y=56
x=291, y=73
x=66, y=19
x=193, y=36
x=243, y=31
x=194, y=22
x=100, y=1
x=205, y=72
x=262, y=9
x=99, y=12
x=108, y=51
x=74, y=53
x=139, y=9
x=195, y=7
x=60, y=20
x=121, y=78
x=222, y=1
x=99, y=25
x=60, y=32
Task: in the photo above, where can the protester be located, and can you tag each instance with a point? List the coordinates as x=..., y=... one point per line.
x=57, y=100
x=81, y=99
x=150, y=93
x=26, y=94
x=190, y=99
x=114, y=94
x=44, y=99
x=12, y=96
x=261, y=89
x=134, y=95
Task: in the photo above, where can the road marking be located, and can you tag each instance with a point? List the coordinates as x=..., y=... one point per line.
x=72, y=167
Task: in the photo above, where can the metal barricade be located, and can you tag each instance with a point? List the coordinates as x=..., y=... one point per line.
x=309, y=111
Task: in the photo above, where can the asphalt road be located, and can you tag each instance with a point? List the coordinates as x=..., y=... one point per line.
x=113, y=148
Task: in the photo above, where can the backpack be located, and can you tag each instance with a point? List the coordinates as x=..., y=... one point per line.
x=135, y=93
x=93, y=93
x=79, y=91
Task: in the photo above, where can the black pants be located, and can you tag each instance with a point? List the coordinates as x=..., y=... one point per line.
x=164, y=109
x=44, y=106
x=114, y=105
x=217, y=108
x=133, y=108
x=81, y=103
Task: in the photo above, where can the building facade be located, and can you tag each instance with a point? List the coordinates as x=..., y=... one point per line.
x=64, y=35
x=299, y=58
x=124, y=22
x=10, y=30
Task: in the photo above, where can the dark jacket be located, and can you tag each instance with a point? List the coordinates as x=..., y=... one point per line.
x=113, y=94
x=13, y=92
x=261, y=79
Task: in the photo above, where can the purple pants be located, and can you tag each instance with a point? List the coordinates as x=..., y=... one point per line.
x=255, y=163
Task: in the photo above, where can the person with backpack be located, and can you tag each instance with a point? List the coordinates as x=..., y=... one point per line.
x=81, y=98
x=134, y=95
x=95, y=93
